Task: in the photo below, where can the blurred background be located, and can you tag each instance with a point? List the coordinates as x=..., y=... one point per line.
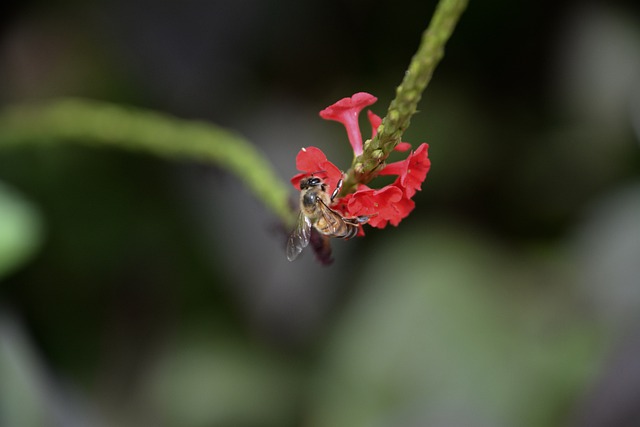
x=136, y=291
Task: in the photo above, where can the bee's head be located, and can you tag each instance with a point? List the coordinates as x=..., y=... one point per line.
x=309, y=182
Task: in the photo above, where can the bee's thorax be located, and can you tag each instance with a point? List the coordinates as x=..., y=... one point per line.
x=309, y=199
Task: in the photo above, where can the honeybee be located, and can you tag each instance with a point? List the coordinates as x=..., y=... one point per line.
x=315, y=212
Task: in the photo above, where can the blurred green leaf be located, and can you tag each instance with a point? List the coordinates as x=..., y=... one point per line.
x=213, y=381
x=20, y=230
x=447, y=332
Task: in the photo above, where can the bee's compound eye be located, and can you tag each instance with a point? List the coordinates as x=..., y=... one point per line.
x=314, y=182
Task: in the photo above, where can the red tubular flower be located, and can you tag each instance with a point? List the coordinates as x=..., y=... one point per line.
x=346, y=111
x=312, y=160
x=412, y=171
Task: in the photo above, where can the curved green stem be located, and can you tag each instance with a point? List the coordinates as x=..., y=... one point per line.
x=408, y=94
x=99, y=123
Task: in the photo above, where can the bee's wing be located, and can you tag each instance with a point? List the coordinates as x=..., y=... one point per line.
x=299, y=238
x=332, y=218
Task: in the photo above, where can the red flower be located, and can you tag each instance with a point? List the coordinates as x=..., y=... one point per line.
x=412, y=171
x=376, y=207
x=346, y=111
x=376, y=121
x=312, y=161
x=386, y=205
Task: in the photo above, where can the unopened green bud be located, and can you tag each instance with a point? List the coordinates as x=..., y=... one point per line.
x=410, y=95
x=377, y=154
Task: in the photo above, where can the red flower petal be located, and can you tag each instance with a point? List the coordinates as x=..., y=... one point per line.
x=386, y=205
x=375, y=121
x=402, y=210
x=309, y=158
x=312, y=161
x=341, y=205
x=403, y=146
x=412, y=171
x=346, y=111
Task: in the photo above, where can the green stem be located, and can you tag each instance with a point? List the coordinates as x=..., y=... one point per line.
x=408, y=94
x=103, y=124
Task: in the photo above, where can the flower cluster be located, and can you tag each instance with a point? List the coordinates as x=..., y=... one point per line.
x=386, y=205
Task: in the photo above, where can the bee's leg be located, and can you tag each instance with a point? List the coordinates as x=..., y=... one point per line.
x=360, y=219
x=321, y=245
x=337, y=190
